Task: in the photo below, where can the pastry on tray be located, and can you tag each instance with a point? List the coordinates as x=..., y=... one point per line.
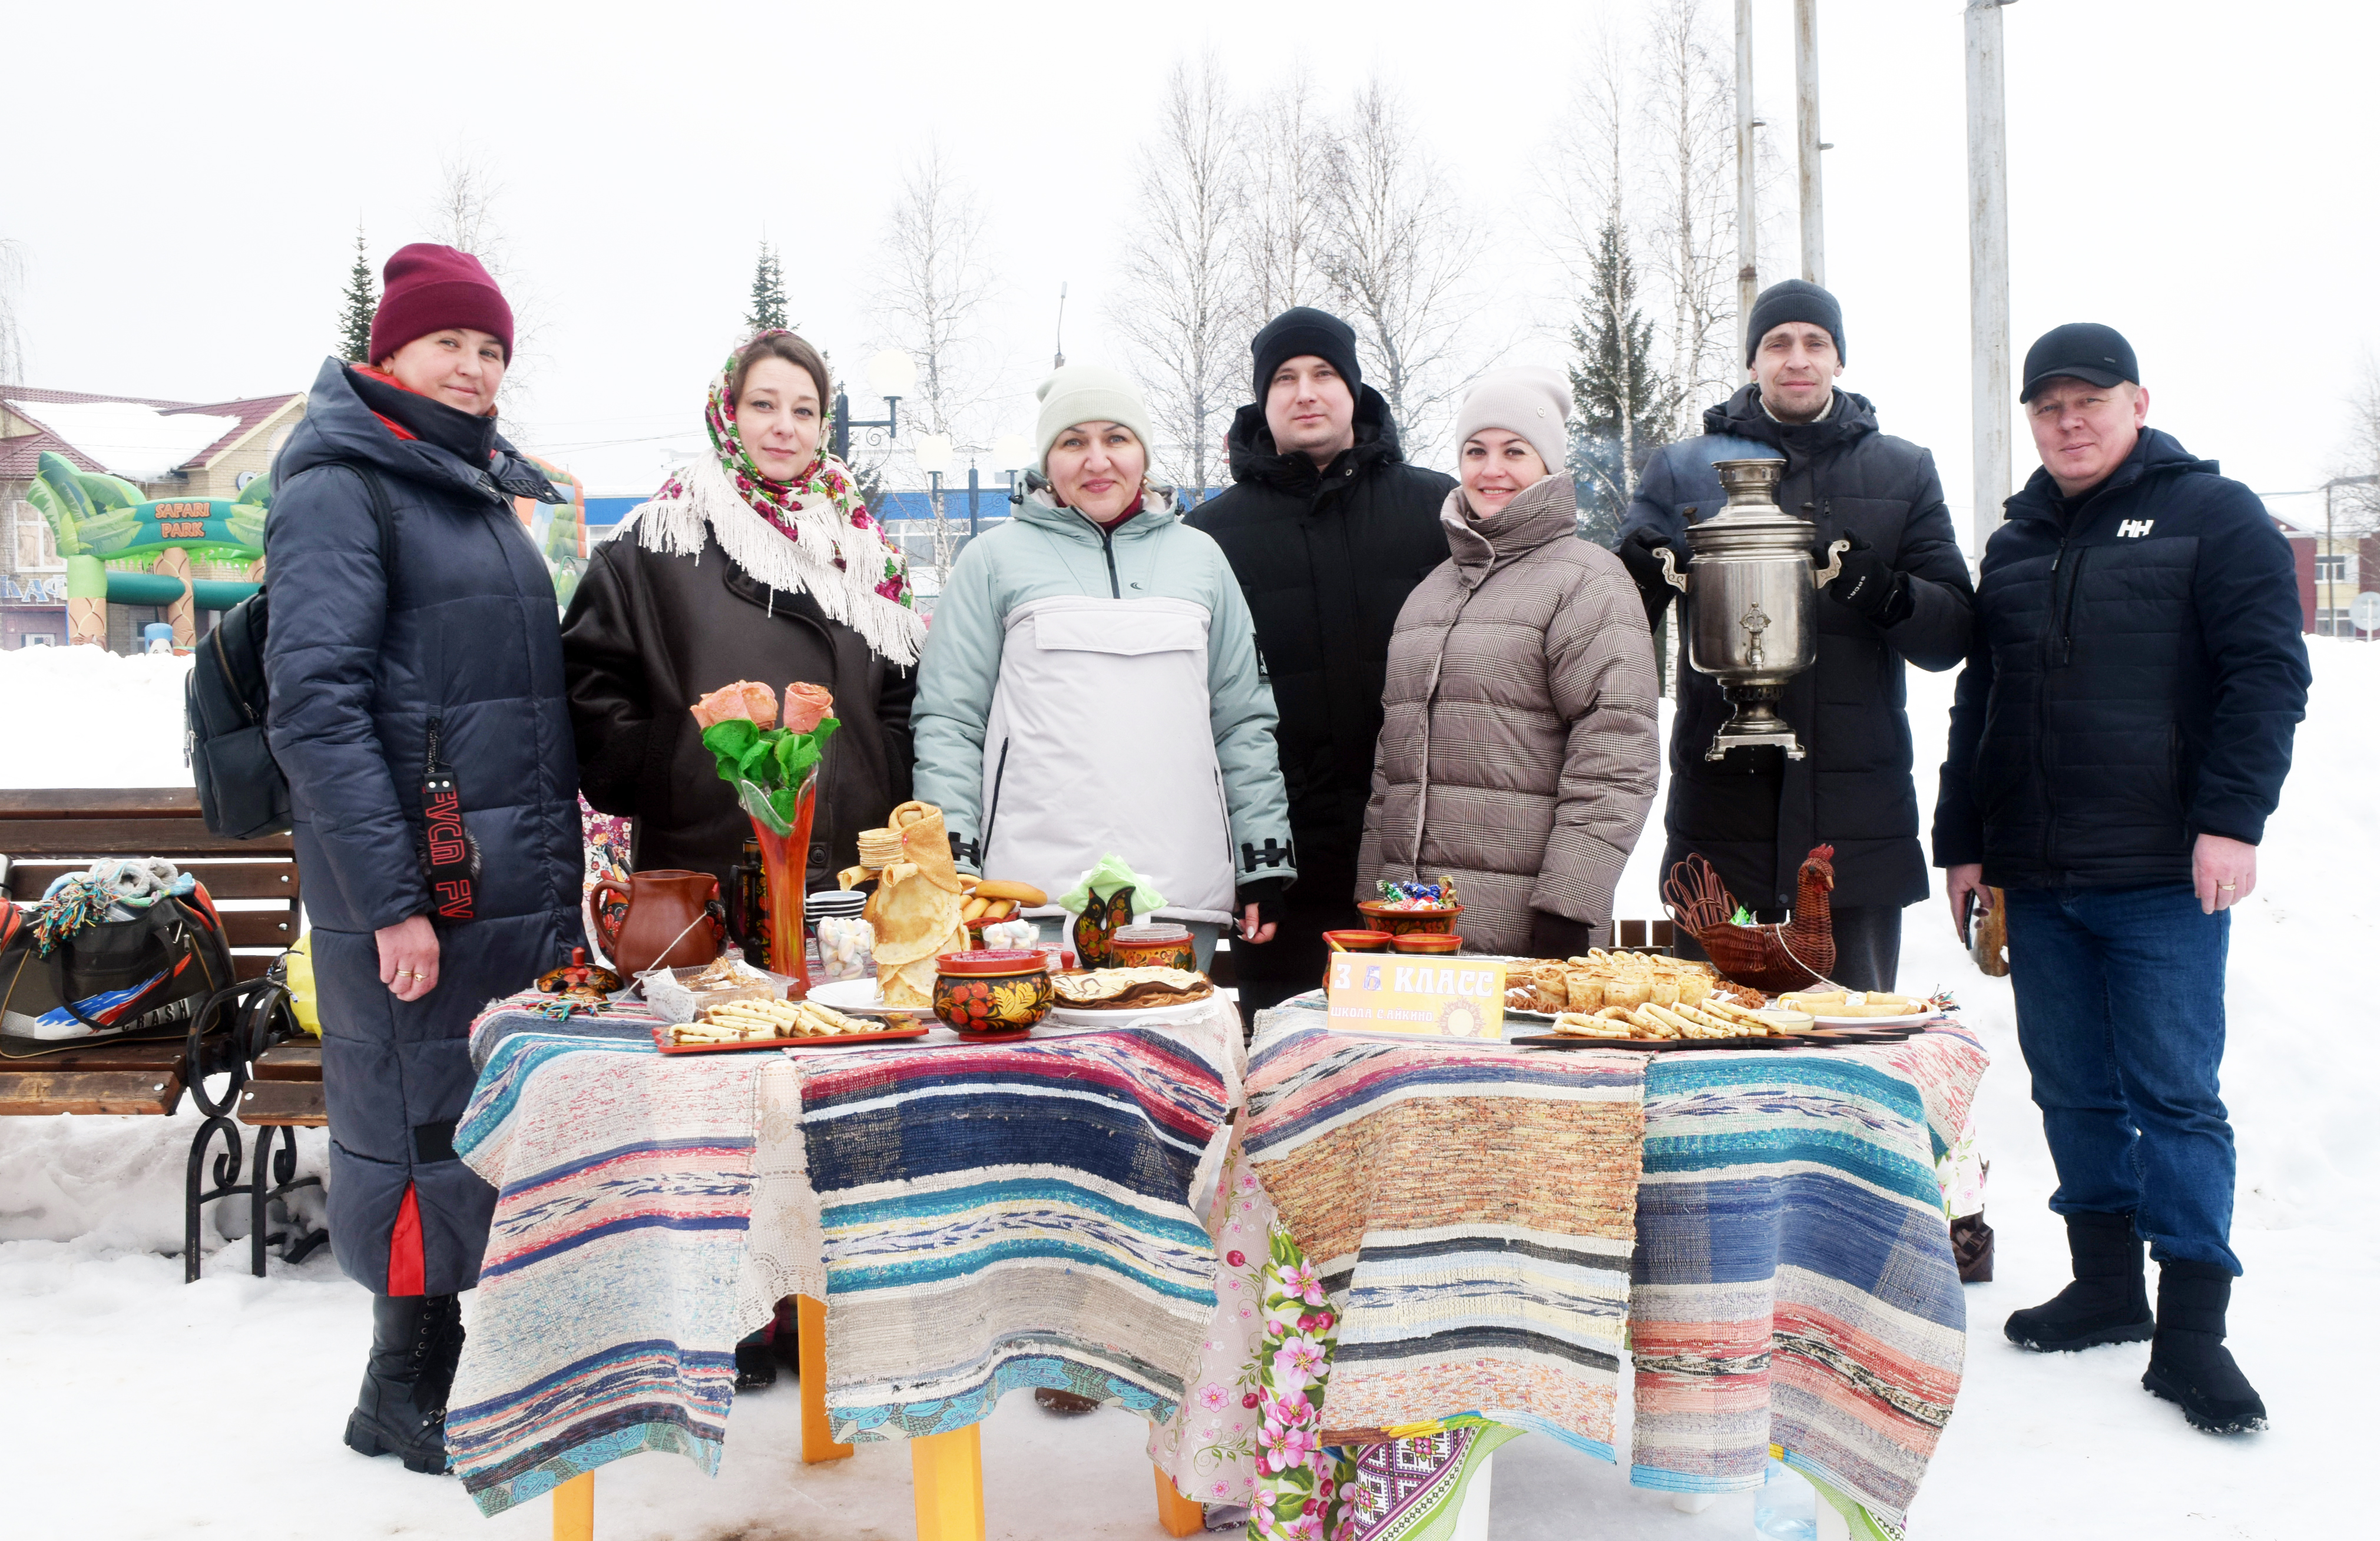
x=1103, y=990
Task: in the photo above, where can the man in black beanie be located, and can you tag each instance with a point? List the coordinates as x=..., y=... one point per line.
x=1328, y=530
x=1903, y=595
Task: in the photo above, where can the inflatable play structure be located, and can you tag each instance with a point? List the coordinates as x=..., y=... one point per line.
x=188, y=555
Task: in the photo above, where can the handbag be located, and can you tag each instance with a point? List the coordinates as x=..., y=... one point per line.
x=141, y=977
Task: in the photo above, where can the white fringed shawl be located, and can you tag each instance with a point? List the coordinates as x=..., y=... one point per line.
x=705, y=499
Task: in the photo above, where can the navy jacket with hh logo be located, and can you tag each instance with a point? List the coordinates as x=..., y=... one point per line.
x=2136, y=678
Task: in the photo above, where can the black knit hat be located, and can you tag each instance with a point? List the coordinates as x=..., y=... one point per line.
x=1795, y=300
x=1300, y=331
x=2085, y=350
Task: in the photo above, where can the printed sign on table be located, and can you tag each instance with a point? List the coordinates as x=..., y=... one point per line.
x=1391, y=992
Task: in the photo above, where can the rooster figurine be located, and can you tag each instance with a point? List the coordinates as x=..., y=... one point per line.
x=1772, y=958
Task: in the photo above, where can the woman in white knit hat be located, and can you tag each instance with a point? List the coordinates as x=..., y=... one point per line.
x=1519, y=751
x=1090, y=685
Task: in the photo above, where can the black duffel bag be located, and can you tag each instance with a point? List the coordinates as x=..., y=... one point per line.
x=144, y=977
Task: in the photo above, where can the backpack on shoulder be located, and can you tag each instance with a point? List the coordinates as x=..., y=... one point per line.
x=242, y=793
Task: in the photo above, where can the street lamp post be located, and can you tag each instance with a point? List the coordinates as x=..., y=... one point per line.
x=893, y=374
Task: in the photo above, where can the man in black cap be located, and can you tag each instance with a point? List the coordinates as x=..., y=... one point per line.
x=1903, y=595
x=2120, y=736
x=1327, y=530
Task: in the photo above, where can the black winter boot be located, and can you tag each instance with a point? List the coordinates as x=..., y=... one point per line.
x=392, y=1414
x=2107, y=1302
x=2187, y=1363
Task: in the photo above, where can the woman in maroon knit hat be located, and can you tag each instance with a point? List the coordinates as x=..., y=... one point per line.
x=415, y=662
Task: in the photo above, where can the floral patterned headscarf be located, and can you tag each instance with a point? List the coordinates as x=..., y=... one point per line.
x=827, y=479
x=811, y=535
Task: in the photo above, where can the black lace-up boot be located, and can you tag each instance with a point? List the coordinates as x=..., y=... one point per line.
x=402, y=1409
x=2107, y=1302
x=2187, y=1363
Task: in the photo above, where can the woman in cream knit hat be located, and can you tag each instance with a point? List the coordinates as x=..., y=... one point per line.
x=1090, y=685
x=1519, y=751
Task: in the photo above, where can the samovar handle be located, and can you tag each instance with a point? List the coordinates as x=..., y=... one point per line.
x=1669, y=568
x=1821, y=577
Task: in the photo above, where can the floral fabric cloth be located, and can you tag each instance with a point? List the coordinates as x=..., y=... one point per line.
x=1208, y=1447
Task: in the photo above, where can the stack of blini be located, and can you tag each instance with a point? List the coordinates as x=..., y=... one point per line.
x=916, y=910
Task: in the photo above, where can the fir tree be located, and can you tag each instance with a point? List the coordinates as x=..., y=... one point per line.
x=768, y=312
x=1625, y=408
x=356, y=313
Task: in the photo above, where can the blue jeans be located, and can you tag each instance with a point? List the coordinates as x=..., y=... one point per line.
x=2120, y=1011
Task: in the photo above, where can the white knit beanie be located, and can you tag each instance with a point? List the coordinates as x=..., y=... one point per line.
x=1526, y=399
x=1088, y=393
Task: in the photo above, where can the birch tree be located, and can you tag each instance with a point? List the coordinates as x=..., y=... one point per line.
x=1184, y=302
x=1286, y=166
x=1690, y=226
x=12, y=338
x=1394, y=251
x=934, y=283
x=931, y=294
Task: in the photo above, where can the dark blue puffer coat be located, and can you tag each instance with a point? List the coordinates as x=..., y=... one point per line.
x=361, y=659
x=2136, y=681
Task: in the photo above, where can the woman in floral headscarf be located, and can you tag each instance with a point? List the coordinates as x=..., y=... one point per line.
x=758, y=562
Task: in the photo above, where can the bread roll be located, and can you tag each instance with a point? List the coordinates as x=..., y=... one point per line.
x=1583, y=991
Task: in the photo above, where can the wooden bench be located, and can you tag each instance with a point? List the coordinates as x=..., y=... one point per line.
x=45, y=834
x=283, y=1093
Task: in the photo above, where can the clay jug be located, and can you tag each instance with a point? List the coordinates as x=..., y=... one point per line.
x=665, y=925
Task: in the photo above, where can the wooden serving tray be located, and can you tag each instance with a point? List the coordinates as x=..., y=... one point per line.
x=812, y=1040
x=1652, y=1046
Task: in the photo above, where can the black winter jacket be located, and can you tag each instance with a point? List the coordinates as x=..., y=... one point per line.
x=460, y=626
x=2137, y=679
x=649, y=633
x=1755, y=815
x=1326, y=557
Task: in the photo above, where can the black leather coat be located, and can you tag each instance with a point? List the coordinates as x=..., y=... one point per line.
x=649, y=633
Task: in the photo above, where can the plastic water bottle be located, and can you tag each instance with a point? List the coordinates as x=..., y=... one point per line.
x=1786, y=1506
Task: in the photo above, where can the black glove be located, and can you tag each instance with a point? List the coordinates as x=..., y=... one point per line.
x=1869, y=585
x=1636, y=555
x=1652, y=585
x=1558, y=936
x=1263, y=893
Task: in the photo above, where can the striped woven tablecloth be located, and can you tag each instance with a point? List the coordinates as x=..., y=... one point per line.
x=1791, y=1276
x=982, y=1216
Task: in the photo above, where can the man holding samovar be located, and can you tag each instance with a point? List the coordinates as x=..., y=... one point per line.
x=2120, y=734
x=1902, y=594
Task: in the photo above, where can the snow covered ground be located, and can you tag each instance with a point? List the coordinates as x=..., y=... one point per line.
x=226, y=1398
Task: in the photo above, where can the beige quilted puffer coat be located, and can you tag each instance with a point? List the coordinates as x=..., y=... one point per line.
x=1519, y=749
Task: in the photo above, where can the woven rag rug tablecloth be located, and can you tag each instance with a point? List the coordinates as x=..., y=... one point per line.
x=1792, y=1279
x=1001, y=1215
x=652, y=1208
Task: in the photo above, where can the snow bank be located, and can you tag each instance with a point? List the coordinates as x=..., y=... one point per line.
x=86, y=717
x=138, y=442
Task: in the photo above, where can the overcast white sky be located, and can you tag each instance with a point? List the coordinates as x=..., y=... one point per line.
x=186, y=181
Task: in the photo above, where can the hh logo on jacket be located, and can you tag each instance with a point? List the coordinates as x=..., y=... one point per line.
x=2132, y=529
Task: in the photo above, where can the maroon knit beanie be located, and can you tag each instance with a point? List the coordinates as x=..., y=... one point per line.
x=428, y=289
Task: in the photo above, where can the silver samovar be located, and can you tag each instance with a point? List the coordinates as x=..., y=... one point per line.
x=1753, y=584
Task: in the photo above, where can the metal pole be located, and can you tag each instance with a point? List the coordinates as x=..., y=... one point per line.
x=973, y=528
x=1987, y=266
x=843, y=427
x=2323, y=565
x=1805, y=129
x=1747, y=214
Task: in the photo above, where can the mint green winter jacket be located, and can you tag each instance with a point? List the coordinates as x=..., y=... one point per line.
x=1086, y=693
